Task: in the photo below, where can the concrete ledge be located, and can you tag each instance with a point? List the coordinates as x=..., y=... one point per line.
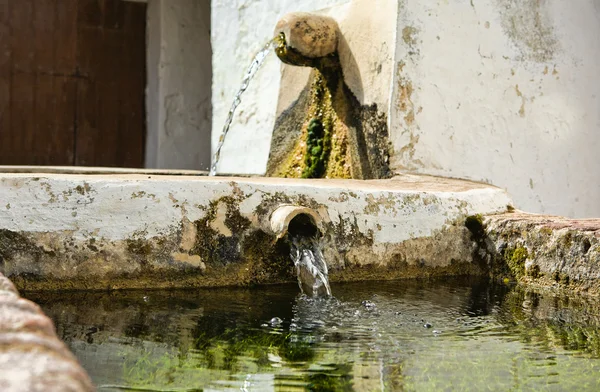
x=546, y=250
x=72, y=231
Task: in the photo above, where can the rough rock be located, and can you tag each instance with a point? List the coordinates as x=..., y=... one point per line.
x=32, y=358
x=546, y=250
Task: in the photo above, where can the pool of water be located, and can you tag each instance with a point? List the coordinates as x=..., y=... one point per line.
x=372, y=336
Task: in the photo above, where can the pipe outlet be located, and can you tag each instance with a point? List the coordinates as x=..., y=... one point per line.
x=312, y=36
x=295, y=220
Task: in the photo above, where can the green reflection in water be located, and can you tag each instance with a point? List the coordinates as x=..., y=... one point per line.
x=408, y=335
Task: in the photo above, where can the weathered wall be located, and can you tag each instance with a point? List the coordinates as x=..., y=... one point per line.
x=502, y=91
x=543, y=250
x=179, y=84
x=240, y=29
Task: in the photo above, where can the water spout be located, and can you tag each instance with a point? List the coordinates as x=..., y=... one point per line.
x=303, y=39
x=255, y=65
x=302, y=227
x=308, y=222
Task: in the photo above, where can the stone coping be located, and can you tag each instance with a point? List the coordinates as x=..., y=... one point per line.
x=545, y=250
x=121, y=230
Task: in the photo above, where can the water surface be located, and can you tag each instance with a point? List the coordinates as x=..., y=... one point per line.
x=371, y=336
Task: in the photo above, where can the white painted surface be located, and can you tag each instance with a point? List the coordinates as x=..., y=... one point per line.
x=240, y=29
x=118, y=207
x=505, y=92
x=179, y=84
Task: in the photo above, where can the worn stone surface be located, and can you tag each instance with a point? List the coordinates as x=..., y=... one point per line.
x=131, y=231
x=32, y=358
x=545, y=250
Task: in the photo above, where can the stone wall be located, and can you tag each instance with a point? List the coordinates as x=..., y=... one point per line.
x=71, y=231
x=502, y=91
x=542, y=250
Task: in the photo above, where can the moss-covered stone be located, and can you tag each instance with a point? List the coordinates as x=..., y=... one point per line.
x=515, y=259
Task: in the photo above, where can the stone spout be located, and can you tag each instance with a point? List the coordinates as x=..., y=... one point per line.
x=326, y=132
x=303, y=38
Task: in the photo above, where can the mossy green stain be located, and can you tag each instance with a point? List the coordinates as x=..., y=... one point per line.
x=13, y=244
x=213, y=246
x=515, y=259
x=318, y=146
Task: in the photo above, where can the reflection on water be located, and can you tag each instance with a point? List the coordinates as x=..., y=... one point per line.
x=466, y=335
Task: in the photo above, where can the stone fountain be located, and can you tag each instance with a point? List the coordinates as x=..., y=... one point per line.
x=330, y=162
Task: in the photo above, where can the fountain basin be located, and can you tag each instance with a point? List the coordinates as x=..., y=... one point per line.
x=113, y=231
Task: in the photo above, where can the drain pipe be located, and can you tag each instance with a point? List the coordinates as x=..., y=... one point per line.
x=295, y=220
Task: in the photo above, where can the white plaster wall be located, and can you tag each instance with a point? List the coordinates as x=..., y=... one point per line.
x=179, y=84
x=502, y=91
x=240, y=29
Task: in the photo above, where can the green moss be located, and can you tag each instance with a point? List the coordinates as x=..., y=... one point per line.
x=139, y=247
x=268, y=259
x=567, y=240
x=515, y=259
x=214, y=247
x=318, y=146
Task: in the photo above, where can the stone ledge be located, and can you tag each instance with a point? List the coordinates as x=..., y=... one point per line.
x=112, y=231
x=545, y=250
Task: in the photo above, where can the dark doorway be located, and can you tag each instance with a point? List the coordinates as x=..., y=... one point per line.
x=72, y=81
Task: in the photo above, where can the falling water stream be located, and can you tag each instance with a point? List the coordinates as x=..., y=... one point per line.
x=255, y=65
x=305, y=250
x=310, y=266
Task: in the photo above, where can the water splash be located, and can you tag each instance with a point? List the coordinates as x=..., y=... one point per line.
x=255, y=65
x=310, y=267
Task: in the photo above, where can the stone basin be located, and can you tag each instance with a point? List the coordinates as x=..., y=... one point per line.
x=67, y=231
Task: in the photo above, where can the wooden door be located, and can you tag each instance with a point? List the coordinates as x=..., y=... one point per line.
x=72, y=80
